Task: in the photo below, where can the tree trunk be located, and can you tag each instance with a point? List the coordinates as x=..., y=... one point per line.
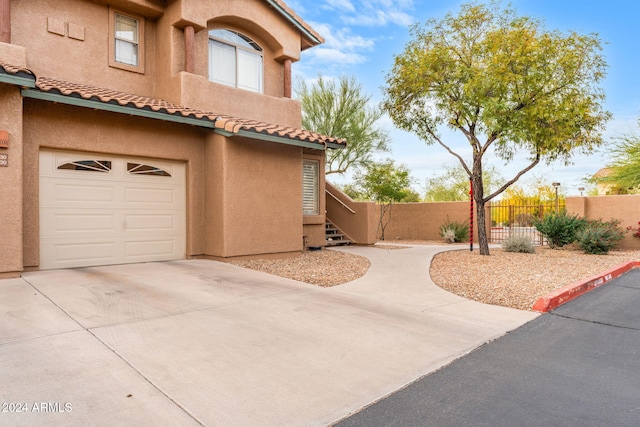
x=483, y=241
x=478, y=198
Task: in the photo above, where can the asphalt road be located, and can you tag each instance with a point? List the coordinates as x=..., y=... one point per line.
x=578, y=365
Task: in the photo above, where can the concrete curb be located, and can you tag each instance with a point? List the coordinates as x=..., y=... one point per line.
x=574, y=290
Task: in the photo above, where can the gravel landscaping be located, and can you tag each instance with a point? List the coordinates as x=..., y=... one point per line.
x=509, y=279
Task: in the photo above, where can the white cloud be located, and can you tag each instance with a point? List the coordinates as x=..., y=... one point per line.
x=340, y=5
x=341, y=46
x=369, y=13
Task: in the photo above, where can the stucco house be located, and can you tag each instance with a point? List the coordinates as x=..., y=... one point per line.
x=151, y=130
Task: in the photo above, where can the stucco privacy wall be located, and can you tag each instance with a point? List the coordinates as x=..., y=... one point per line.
x=409, y=221
x=623, y=207
x=11, y=179
x=72, y=128
x=422, y=221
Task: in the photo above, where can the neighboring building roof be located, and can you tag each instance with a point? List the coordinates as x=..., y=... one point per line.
x=603, y=173
x=123, y=102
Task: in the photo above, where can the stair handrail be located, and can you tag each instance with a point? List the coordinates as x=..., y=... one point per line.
x=339, y=201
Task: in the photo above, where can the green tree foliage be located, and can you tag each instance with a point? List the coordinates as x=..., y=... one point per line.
x=625, y=164
x=386, y=184
x=506, y=83
x=452, y=185
x=341, y=109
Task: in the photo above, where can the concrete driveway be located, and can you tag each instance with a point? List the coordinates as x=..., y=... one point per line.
x=199, y=342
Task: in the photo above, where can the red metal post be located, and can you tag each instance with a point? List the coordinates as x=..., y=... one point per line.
x=471, y=215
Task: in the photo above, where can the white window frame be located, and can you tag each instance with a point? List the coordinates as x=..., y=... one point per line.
x=310, y=187
x=238, y=72
x=118, y=42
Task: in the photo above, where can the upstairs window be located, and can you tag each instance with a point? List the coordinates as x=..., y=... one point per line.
x=126, y=49
x=235, y=60
x=126, y=40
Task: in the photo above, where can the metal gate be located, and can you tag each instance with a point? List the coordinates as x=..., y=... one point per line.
x=514, y=219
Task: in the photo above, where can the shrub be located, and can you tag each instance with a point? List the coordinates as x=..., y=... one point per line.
x=635, y=230
x=454, y=231
x=598, y=237
x=518, y=244
x=559, y=228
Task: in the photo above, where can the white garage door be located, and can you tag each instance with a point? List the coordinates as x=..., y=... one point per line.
x=97, y=209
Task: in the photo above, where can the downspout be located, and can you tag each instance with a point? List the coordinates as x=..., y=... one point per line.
x=5, y=21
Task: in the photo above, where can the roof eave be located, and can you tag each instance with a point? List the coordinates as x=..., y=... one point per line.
x=315, y=39
x=114, y=108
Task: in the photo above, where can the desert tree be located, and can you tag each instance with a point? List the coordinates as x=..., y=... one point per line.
x=342, y=109
x=384, y=183
x=504, y=82
x=624, y=167
x=452, y=184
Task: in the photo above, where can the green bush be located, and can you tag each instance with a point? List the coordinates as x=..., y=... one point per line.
x=518, y=244
x=454, y=231
x=599, y=237
x=559, y=228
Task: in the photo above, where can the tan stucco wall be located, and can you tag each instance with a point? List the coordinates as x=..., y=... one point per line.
x=11, y=182
x=71, y=128
x=244, y=197
x=256, y=20
x=261, y=188
x=353, y=218
x=79, y=61
x=87, y=61
x=623, y=207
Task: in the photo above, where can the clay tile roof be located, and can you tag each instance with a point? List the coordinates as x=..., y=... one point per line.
x=15, y=70
x=221, y=121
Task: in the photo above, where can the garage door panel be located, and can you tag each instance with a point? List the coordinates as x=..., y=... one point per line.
x=80, y=254
x=135, y=250
x=74, y=193
x=150, y=196
x=83, y=223
x=99, y=218
x=150, y=223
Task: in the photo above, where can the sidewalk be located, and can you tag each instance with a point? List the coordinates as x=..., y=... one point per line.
x=205, y=343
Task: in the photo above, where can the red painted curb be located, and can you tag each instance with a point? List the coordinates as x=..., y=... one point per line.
x=574, y=290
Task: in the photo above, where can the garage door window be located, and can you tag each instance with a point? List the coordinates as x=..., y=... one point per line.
x=88, y=165
x=140, y=169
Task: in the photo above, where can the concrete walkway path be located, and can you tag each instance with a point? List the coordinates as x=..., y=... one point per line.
x=200, y=342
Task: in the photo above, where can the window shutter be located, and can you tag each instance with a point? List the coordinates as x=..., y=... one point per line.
x=310, y=187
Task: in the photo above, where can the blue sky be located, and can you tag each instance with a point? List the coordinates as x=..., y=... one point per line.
x=362, y=37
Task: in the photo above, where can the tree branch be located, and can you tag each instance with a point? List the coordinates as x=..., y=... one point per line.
x=512, y=181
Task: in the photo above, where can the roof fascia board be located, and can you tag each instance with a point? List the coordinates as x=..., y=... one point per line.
x=115, y=108
x=271, y=138
x=294, y=21
x=18, y=80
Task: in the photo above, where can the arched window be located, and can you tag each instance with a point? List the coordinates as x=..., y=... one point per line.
x=235, y=60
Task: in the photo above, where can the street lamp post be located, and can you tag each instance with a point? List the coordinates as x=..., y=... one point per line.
x=556, y=185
